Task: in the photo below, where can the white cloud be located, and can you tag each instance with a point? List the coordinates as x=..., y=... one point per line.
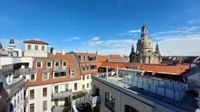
x=110, y=46
x=134, y=31
x=129, y=33
x=181, y=41
x=76, y=38
x=187, y=46
x=71, y=39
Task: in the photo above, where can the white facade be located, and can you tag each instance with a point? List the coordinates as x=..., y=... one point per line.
x=39, y=98
x=13, y=80
x=35, y=50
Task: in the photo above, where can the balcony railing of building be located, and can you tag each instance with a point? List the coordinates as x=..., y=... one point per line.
x=59, y=69
x=162, y=91
x=61, y=95
x=16, y=86
x=93, y=100
x=7, y=69
x=61, y=108
x=25, y=71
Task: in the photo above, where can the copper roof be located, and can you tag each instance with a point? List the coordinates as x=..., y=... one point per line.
x=36, y=42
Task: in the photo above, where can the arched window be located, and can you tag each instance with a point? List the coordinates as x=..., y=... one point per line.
x=128, y=108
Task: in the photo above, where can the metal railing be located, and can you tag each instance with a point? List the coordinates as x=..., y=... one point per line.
x=25, y=71
x=61, y=95
x=59, y=69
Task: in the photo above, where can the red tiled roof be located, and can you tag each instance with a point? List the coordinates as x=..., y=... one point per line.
x=154, y=68
x=36, y=42
x=115, y=56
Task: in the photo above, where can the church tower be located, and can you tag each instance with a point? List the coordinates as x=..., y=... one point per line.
x=144, y=52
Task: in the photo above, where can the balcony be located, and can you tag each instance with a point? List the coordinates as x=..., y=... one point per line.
x=24, y=71
x=16, y=86
x=61, y=108
x=6, y=69
x=59, y=69
x=93, y=100
x=61, y=95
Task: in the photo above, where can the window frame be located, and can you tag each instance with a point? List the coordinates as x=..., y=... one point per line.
x=32, y=94
x=44, y=94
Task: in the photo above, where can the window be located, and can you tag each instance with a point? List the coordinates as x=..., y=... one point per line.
x=44, y=92
x=84, y=68
x=36, y=47
x=59, y=74
x=48, y=64
x=29, y=47
x=56, y=63
x=87, y=67
x=71, y=72
x=86, y=58
x=32, y=107
x=110, y=101
x=56, y=89
x=43, y=48
x=32, y=77
x=66, y=87
x=75, y=86
x=44, y=105
x=44, y=76
x=64, y=63
x=130, y=109
x=39, y=64
x=88, y=85
x=31, y=94
x=93, y=67
x=83, y=77
x=88, y=76
x=56, y=102
x=82, y=58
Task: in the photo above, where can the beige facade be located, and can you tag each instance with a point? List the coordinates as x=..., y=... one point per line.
x=144, y=52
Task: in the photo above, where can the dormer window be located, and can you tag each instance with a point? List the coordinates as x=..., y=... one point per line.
x=39, y=64
x=56, y=63
x=72, y=72
x=48, y=64
x=64, y=63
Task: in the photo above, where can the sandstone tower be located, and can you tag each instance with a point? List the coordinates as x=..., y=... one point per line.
x=144, y=52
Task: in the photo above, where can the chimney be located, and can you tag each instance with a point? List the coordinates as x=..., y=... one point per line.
x=52, y=51
x=97, y=52
x=63, y=52
x=106, y=72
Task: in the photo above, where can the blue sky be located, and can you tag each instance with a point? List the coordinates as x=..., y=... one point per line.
x=109, y=26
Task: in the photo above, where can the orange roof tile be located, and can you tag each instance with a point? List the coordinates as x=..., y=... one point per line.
x=36, y=42
x=154, y=68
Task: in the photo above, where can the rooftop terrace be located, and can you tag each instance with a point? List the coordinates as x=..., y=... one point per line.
x=169, y=93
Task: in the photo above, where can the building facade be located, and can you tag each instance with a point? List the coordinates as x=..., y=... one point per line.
x=144, y=52
x=13, y=73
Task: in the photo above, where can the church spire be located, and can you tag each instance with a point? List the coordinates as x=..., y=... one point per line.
x=132, y=49
x=157, y=48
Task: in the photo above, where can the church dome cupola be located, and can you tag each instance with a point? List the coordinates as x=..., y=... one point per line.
x=144, y=30
x=12, y=41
